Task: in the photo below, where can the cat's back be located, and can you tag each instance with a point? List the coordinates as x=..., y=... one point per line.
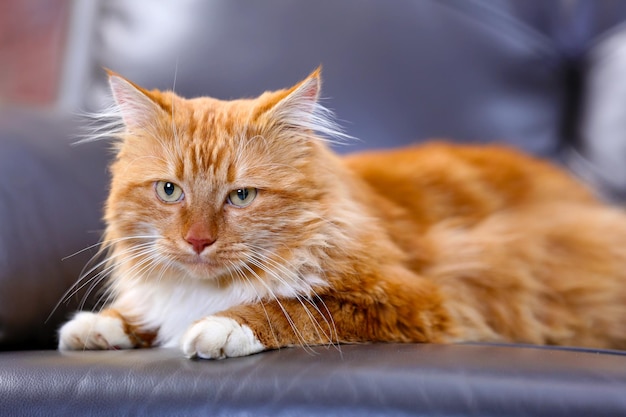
x=441, y=181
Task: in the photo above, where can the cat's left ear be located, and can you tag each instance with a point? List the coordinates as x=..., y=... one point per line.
x=137, y=108
x=301, y=99
x=298, y=108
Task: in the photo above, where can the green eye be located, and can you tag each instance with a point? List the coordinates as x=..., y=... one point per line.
x=242, y=197
x=168, y=192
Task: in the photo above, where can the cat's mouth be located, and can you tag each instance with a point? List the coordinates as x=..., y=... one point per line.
x=199, y=261
x=201, y=267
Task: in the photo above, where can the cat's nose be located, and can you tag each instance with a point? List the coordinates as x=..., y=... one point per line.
x=199, y=244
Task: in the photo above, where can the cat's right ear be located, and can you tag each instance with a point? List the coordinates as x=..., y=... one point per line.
x=134, y=103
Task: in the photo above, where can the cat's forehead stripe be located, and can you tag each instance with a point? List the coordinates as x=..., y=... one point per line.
x=208, y=147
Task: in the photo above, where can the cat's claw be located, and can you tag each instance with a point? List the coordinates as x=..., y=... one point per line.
x=87, y=331
x=218, y=338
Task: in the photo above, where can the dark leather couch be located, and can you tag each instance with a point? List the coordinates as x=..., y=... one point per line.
x=542, y=75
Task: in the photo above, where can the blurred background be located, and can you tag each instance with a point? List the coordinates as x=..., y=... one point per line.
x=546, y=76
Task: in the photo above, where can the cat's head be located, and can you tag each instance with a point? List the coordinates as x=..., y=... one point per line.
x=219, y=189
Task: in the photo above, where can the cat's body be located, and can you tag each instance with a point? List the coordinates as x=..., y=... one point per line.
x=233, y=229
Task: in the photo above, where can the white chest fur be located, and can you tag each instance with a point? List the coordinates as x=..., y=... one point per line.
x=172, y=305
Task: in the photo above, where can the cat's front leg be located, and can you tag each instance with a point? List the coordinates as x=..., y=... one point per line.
x=252, y=328
x=107, y=330
x=410, y=310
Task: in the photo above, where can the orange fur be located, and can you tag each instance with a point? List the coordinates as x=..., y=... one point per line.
x=138, y=337
x=435, y=243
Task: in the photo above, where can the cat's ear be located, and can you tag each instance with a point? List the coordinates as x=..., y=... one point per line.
x=298, y=109
x=137, y=108
x=301, y=100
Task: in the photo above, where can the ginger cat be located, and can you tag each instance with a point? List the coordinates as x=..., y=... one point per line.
x=232, y=228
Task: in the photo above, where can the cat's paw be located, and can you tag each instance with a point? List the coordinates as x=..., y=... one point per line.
x=93, y=331
x=218, y=338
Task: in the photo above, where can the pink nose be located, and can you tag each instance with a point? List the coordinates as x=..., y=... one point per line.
x=199, y=244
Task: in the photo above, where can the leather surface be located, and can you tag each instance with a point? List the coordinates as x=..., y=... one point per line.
x=51, y=196
x=365, y=380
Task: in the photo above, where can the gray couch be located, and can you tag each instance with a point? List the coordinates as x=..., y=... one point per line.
x=545, y=76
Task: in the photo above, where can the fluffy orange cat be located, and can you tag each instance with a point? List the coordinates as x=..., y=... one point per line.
x=232, y=228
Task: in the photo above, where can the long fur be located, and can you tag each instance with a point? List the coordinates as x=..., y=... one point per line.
x=438, y=243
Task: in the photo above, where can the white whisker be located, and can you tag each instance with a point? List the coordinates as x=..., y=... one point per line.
x=283, y=273
x=294, y=328
x=244, y=278
x=332, y=336
x=88, y=277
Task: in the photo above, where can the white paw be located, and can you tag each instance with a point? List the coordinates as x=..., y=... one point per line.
x=218, y=338
x=93, y=331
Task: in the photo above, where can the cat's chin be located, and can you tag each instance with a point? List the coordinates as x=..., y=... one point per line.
x=202, y=269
